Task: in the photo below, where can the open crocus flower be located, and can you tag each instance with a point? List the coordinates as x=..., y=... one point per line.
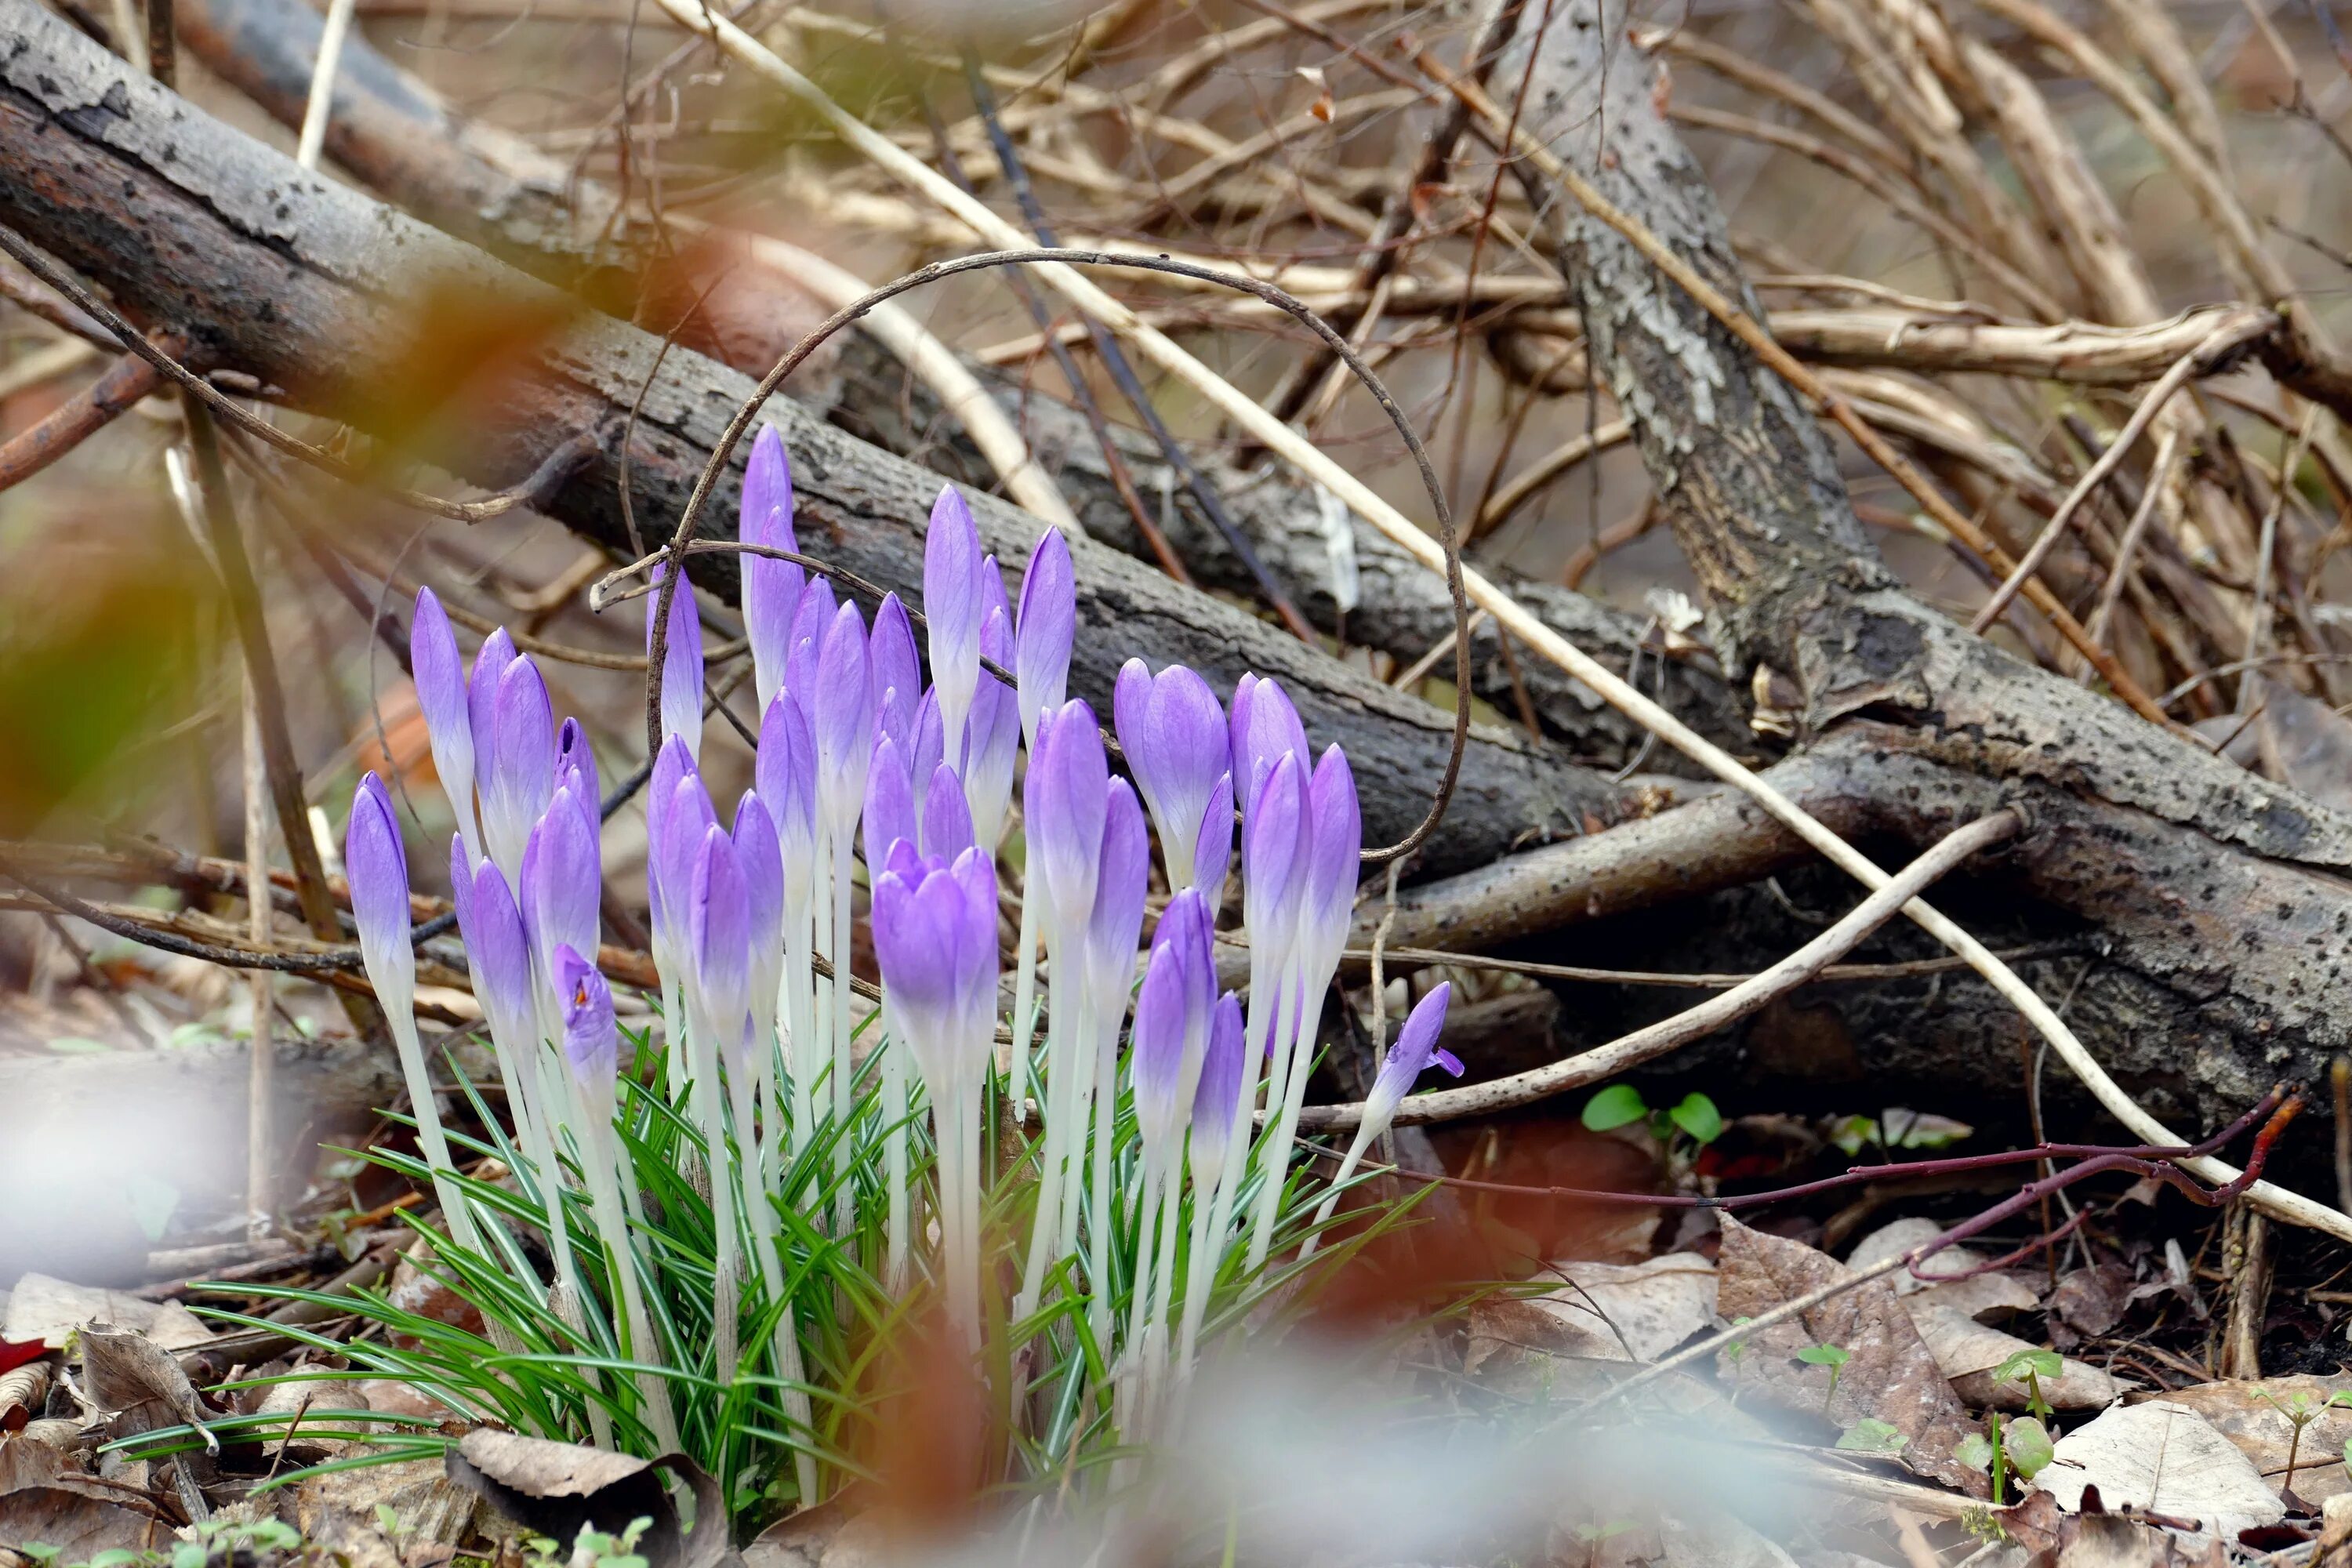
x=518, y=768
x=1043, y=632
x=441, y=697
x=954, y=605
x=681, y=698
x=592, y=1036
x=771, y=588
x=1173, y=732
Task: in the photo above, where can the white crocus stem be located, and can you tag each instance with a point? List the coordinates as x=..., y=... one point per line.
x=1138, y=1305
x=1274, y=1150
x=725, y=1298
x=600, y=1158
x=1061, y=1082
x=1081, y=1062
x=1362, y=1141
x=399, y=1012
x=536, y=1124
x=1268, y=963
x=1024, y=1005
x=895, y=1104
x=955, y=1133
x=801, y=1057
x=838, y=994
x=1164, y=1276
x=1106, y=1120
x=1282, y=1135
x=774, y=1268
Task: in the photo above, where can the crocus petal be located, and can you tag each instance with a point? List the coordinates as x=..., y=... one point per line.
x=563, y=880
x=1175, y=737
x=992, y=739
x=1122, y=878
x=685, y=820
x=890, y=802
x=843, y=719
x=441, y=698
x=771, y=588
x=720, y=938
x=1416, y=1045
x=1067, y=796
x=810, y=624
x=575, y=767
x=1157, y=1038
x=376, y=867
x=490, y=661
x=1264, y=726
x=917, y=921
x=592, y=1036
x=953, y=606
x=681, y=698
x=974, y=875
x=520, y=778
x=1334, y=856
x=947, y=819
x=894, y=670
x=762, y=860
x=673, y=763
x=1220, y=1087
x=1270, y=846
x=786, y=775
x=928, y=749
x=1042, y=635
x=1213, y=852
x=498, y=948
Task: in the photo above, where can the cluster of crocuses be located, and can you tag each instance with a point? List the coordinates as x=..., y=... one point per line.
x=860, y=758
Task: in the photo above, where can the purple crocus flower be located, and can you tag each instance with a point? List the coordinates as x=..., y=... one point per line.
x=895, y=671
x=810, y=624
x=592, y=1036
x=889, y=803
x=672, y=763
x=1270, y=854
x=681, y=701
x=1264, y=727
x=947, y=820
x=991, y=737
x=685, y=820
x=760, y=858
x=1042, y=635
x=771, y=588
x=518, y=771
x=376, y=867
x=490, y=661
x=720, y=938
x=575, y=767
x=1066, y=797
x=1158, y=1037
x=1334, y=852
x=935, y=938
x=954, y=605
x=1122, y=878
x=842, y=719
x=786, y=775
x=441, y=698
x=1213, y=852
x=563, y=877
x=1188, y=925
x=928, y=748
x=1175, y=734
x=1415, y=1051
x=1220, y=1088
x=498, y=949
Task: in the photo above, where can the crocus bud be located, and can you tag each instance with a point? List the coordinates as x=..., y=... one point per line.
x=720, y=938
x=563, y=878
x=1158, y=1039
x=1122, y=878
x=681, y=700
x=1213, y=852
x=498, y=949
x=1175, y=734
x=1066, y=798
x=786, y=772
x=1415, y=1049
x=490, y=661
x=1265, y=727
x=1220, y=1088
x=1334, y=856
x=1042, y=635
x=953, y=606
x=889, y=803
x=992, y=739
x=685, y=820
x=810, y=624
x=928, y=748
x=592, y=1036
x=672, y=763
x=576, y=768
x=760, y=858
x=842, y=719
x=935, y=940
x=947, y=820
x=519, y=774
x=895, y=671
x=1270, y=844
x=771, y=588
x=441, y=698
x=377, y=867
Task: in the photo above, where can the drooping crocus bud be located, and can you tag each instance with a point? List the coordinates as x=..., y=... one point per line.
x=681, y=697
x=889, y=803
x=771, y=588
x=1066, y=798
x=441, y=698
x=490, y=661
x=1158, y=1039
x=1265, y=727
x=953, y=606
x=592, y=1036
x=575, y=767
x=1270, y=845
x=377, y=867
x=842, y=719
x=1175, y=734
x=1220, y=1088
x=991, y=737
x=518, y=769
x=895, y=671
x=786, y=772
x=947, y=821
x=563, y=878
x=1042, y=635
x=1122, y=878
x=935, y=940
x=760, y=858
x=1415, y=1051
x=719, y=937
x=1334, y=857
x=813, y=619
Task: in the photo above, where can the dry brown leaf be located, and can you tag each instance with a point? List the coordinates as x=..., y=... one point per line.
x=1970, y=1353
x=138, y=1386
x=2161, y=1457
x=337, y=1512
x=2263, y=1434
x=560, y=1489
x=47, y=1497
x=1977, y=1295
x=1602, y=1312
x=48, y=1311
x=1891, y=1376
x=2093, y=1301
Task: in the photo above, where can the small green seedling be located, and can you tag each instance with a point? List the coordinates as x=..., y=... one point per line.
x=2028, y=1447
x=2021, y=1448
x=1872, y=1435
x=1620, y=1105
x=1834, y=1357
x=2032, y=1366
x=2301, y=1410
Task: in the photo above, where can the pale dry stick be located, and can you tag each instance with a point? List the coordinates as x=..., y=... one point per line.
x=1524, y=484
x=1413, y=673
x=261, y=1065
x=2228, y=337
x=320, y=108
x=1513, y=617
x=2266, y=546
x=1655, y=1041
x=2159, y=480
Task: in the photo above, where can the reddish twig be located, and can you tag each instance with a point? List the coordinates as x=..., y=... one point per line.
x=80, y=416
